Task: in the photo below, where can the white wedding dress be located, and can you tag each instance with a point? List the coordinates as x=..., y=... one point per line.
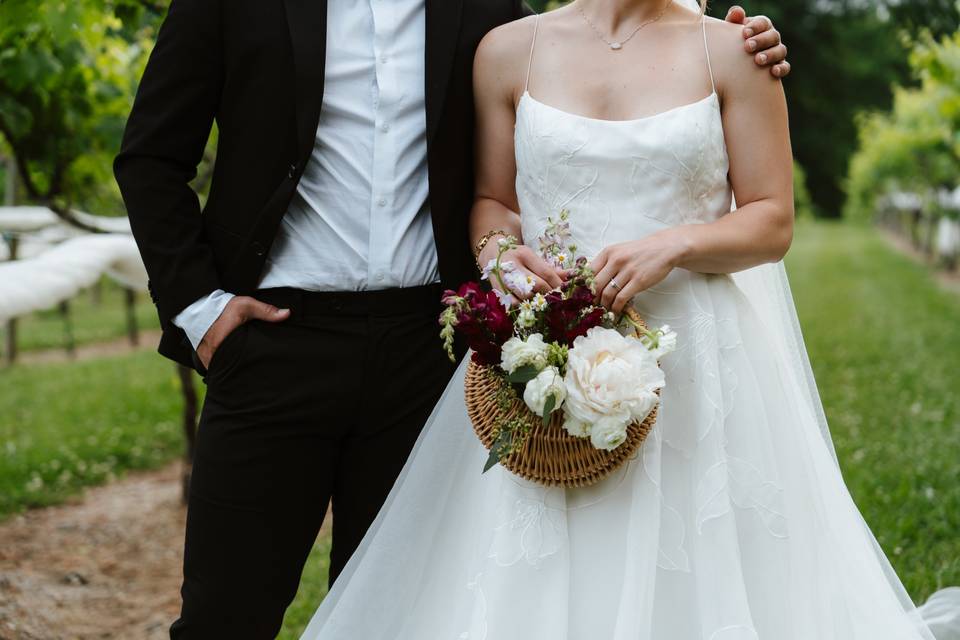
x=732, y=523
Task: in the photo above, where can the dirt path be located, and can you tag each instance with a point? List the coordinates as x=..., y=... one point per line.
x=106, y=566
x=148, y=340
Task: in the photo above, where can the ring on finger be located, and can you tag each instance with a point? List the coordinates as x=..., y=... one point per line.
x=613, y=283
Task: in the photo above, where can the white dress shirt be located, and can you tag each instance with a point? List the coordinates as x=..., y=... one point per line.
x=359, y=219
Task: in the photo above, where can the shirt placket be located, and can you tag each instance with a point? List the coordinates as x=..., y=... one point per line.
x=379, y=273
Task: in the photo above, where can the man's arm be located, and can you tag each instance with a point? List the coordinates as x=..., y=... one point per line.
x=162, y=146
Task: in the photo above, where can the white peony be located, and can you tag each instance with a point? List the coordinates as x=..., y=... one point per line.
x=611, y=376
x=608, y=433
x=574, y=427
x=548, y=383
x=517, y=353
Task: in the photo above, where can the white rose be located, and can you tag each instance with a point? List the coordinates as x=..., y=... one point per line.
x=608, y=433
x=517, y=353
x=611, y=376
x=548, y=383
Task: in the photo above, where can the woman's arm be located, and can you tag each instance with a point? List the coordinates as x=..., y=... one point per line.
x=499, y=69
x=761, y=172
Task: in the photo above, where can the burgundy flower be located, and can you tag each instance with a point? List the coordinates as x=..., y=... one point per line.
x=482, y=320
x=571, y=313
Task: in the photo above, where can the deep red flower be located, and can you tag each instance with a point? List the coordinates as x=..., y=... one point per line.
x=482, y=320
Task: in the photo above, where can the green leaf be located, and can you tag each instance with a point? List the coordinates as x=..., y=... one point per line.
x=501, y=444
x=548, y=407
x=492, y=460
x=524, y=374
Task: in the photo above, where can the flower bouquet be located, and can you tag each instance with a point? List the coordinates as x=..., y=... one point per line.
x=559, y=390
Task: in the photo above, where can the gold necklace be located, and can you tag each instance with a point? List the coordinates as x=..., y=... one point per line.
x=616, y=45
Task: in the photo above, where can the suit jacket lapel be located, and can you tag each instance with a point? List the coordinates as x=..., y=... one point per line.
x=307, y=21
x=443, y=28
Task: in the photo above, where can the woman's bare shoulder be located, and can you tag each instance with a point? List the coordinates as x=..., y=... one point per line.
x=507, y=43
x=501, y=57
x=734, y=68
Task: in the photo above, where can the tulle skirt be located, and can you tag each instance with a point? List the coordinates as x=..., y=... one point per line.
x=733, y=522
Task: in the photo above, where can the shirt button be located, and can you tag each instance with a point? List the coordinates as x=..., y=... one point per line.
x=384, y=127
x=380, y=277
x=383, y=59
x=382, y=202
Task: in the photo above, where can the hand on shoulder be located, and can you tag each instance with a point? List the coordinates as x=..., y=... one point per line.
x=736, y=74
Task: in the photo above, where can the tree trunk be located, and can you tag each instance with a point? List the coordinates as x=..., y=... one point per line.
x=130, y=301
x=69, y=343
x=10, y=199
x=190, y=411
x=11, y=346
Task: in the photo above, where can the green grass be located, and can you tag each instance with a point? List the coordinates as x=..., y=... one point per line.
x=313, y=587
x=884, y=342
x=92, y=322
x=66, y=426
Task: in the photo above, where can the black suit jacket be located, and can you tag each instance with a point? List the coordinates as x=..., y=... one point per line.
x=256, y=67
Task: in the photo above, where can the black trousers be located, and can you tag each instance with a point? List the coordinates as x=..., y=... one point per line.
x=324, y=406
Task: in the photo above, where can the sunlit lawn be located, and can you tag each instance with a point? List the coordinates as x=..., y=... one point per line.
x=882, y=336
x=884, y=341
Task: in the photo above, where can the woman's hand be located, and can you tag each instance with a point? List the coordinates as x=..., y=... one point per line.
x=545, y=276
x=624, y=270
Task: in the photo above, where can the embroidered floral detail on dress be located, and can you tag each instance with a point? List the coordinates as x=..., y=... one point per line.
x=530, y=532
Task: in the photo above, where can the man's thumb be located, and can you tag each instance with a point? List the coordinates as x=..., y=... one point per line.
x=267, y=312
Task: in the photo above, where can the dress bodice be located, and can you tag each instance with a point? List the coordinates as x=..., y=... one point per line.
x=620, y=179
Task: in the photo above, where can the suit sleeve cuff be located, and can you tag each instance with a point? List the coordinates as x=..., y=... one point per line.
x=196, y=319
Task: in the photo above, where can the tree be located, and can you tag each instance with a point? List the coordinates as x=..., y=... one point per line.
x=66, y=72
x=916, y=147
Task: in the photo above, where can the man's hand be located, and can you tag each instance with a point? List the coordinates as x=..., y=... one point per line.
x=762, y=40
x=239, y=310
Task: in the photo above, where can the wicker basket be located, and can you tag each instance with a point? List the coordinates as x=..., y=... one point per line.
x=549, y=456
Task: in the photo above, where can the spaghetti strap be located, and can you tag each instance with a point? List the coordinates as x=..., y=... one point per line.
x=533, y=43
x=706, y=48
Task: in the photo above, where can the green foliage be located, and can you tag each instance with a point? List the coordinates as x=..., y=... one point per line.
x=915, y=147
x=66, y=78
x=802, y=203
x=66, y=426
x=313, y=588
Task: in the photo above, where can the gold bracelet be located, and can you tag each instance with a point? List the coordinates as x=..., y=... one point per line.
x=482, y=243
